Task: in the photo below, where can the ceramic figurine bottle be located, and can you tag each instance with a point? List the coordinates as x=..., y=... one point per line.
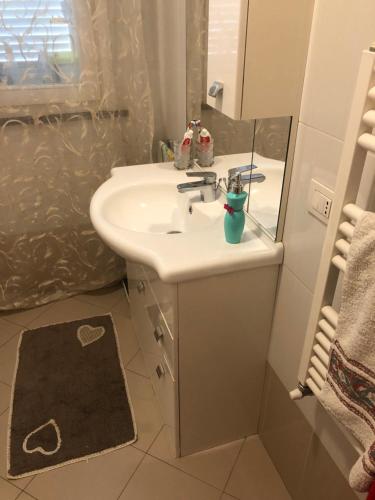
x=234, y=219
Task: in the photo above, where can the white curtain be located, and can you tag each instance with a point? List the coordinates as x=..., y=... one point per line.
x=77, y=97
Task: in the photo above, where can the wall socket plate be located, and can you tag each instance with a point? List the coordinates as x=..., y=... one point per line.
x=320, y=201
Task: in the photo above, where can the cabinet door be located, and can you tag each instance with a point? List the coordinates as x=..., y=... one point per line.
x=226, y=50
x=257, y=50
x=278, y=34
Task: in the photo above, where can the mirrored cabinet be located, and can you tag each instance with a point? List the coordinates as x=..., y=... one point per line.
x=256, y=56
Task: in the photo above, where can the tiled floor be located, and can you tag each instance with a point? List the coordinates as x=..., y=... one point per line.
x=145, y=470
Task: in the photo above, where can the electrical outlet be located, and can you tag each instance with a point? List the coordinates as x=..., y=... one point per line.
x=320, y=200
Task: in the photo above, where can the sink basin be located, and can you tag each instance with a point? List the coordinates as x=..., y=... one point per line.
x=159, y=208
x=140, y=214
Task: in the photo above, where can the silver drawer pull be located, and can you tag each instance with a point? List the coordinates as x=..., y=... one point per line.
x=160, y=371
x=140, y=286
x=158, y=333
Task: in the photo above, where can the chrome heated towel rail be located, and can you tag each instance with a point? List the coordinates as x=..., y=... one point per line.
x=359, y=140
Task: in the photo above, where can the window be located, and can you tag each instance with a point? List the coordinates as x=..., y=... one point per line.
x=40, y=51
x=37, y=42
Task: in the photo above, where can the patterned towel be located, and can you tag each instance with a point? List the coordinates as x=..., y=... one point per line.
x=349, y=392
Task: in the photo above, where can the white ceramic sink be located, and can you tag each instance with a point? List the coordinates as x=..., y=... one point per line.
x=159, y=208
x=139, y=213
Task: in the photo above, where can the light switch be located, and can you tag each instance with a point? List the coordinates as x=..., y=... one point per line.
x=320, y=200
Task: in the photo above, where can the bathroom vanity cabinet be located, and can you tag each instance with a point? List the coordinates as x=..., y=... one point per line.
x=205, y=343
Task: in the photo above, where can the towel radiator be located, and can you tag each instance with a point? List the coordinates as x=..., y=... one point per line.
x=359, y=140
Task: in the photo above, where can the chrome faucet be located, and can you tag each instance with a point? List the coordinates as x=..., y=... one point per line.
x=245, y=178
x=207, y=185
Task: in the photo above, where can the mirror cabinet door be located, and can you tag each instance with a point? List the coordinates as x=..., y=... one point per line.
x=256, y=56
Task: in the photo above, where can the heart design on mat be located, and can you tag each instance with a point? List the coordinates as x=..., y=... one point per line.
x=45, y=439
x=88, y=334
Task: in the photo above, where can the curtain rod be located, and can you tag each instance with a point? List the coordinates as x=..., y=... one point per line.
x=63, y=117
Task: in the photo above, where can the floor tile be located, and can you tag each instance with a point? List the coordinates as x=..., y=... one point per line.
x=25, y=316
x=254, y=477
x=20, y=483
x=155, y=480
x=137, y=364
x=128, y=342
x=66, y=310
x=99, y=478
x=212, y=466
x=8, y=491
x=105, y=297
x=8, y=355
x=123, y=306
x=7, y=331
x=5, y=391
x=25, y=496
x=147, y=414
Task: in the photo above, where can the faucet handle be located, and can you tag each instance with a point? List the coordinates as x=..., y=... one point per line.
x=209, y=177
x=236, y=170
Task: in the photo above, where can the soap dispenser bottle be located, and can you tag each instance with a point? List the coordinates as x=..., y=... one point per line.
x=234, y=219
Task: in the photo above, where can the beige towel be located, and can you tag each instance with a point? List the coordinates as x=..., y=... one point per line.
x=349, y=392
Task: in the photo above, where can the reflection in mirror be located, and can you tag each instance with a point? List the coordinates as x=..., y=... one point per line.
x=263, y=143
x=237, y=142
x=270, y=149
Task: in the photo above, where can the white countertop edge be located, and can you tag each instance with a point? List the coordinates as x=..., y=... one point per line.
x=185, y=271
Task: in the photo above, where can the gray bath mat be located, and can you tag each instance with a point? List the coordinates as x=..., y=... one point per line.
x=69, y=397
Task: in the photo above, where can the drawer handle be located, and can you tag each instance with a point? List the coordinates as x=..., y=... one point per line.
x=160, y=371
x=158, y=333
x=140, y=287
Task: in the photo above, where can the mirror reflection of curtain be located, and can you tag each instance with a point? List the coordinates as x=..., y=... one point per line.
x=68, y=72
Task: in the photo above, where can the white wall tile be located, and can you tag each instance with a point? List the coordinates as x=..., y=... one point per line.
x=330, y=435
x=341, y=30
x=317, y=156
x=289, y=327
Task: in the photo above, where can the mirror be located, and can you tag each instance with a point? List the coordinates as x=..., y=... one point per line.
x=256, y=56
x=263, y=143
x=250, y=114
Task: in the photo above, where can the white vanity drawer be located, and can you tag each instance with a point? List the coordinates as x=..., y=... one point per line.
x=164, y=385
x=152, y=331
x=164, y=342
x=166, y=298
x=140, y=300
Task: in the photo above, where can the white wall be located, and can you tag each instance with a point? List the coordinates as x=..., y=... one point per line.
x=341, y=30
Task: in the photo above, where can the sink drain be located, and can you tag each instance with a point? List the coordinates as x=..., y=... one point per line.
x=174, y=232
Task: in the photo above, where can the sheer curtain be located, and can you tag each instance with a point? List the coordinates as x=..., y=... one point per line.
x=75, y=101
